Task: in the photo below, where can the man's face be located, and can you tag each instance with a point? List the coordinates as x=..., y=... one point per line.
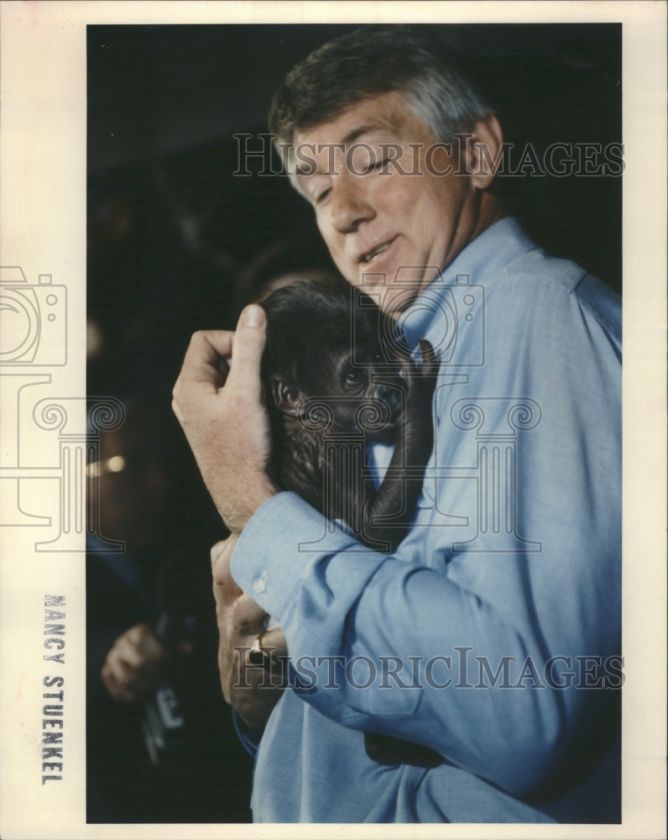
x=378, y=216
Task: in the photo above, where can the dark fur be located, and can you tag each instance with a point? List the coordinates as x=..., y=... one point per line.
x=324, y=348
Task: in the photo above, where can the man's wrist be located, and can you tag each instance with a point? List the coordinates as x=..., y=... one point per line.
x=247, y=504
x=265, y=490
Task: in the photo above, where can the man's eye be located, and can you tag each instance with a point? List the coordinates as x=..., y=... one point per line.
x=379, y=165
x=321, y=196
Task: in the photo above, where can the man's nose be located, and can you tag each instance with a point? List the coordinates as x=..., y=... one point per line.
x=349, y=204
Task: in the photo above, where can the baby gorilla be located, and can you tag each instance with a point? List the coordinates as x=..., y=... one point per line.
x=339, y=378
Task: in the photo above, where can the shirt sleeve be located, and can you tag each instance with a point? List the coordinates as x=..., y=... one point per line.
x=496, y=659
x=248, y=740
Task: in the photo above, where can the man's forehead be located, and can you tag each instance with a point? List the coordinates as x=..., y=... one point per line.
x=386, y=112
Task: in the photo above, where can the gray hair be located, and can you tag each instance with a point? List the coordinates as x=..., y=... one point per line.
x=368, y=62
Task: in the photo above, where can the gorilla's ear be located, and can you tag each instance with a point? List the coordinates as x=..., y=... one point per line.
x=287, y=398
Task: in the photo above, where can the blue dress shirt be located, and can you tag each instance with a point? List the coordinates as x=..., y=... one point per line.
x=492, y=634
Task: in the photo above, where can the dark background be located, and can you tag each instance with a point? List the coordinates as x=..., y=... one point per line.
x=170, y=230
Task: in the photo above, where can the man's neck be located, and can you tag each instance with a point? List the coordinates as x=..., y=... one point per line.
x=490, y=210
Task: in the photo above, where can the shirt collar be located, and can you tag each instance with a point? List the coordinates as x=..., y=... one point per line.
x=492, y=250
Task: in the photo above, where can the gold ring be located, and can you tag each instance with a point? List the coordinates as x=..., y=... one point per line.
x=257, y=655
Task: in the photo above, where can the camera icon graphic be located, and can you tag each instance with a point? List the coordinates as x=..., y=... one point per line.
x=33, y=320
x=455, y=313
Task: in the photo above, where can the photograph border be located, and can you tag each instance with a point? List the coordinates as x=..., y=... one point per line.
x=42, y=231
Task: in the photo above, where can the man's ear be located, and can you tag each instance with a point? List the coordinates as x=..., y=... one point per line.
x=286, y=398
x=484, y=152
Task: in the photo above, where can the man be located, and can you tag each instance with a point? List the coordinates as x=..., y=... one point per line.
x=492, y=635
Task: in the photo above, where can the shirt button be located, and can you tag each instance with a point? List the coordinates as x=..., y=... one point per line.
x=260, y=583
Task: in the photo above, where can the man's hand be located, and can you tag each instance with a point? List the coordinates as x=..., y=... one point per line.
x=217, y=400
x=252, y=690
x=135, y=665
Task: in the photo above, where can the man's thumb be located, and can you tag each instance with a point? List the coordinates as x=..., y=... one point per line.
x=249, y=340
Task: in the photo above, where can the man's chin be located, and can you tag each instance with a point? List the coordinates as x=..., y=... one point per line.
x=391, y=296
x=396, y=292
x=394, y=300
